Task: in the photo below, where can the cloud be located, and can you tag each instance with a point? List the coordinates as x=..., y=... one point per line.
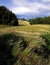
x=25, y=6
x=20, y=10
x=21, y=2
x=46, y=0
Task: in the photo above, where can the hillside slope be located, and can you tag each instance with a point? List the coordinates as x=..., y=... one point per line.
x=21, y=22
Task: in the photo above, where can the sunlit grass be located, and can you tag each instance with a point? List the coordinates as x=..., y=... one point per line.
x=23, y=23
x=28, y=30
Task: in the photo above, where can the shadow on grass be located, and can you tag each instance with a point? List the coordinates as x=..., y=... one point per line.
x=7, y=43
x=12, y=47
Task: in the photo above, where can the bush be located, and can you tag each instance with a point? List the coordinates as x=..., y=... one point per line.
x=45, y=20
x=7, y=17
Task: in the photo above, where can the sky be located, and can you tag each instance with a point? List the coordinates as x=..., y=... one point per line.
x=35, y=8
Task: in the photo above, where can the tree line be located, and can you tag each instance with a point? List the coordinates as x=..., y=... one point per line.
x=7, y=17
x=39, y=20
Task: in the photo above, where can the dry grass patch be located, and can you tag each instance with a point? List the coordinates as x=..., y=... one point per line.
x=23, y=22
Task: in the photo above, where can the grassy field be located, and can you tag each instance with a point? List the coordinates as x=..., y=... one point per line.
x=28, y=47
x=30, y=29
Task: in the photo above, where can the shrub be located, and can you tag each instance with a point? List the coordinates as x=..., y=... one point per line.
x=7, y=17
x=39, y=20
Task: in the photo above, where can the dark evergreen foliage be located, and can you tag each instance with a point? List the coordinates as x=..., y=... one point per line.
x=39, y=20
x=7, y=17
